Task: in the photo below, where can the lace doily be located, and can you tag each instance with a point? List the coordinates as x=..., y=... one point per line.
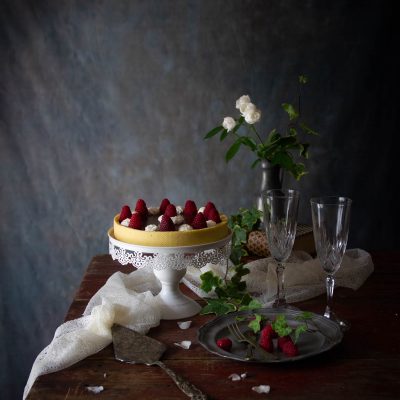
x=170, y=257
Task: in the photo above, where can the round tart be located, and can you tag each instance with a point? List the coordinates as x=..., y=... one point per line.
x=171, y=238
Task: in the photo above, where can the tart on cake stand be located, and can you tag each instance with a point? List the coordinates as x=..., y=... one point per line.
x=169, y=264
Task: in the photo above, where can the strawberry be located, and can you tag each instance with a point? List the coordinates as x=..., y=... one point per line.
x=199, y=221
x=208, y=208
x=125, y=213
x=141, y=208
x=136, y=221
x=170, y=210
x=166, y=224
x=224, y=343
x=290, y=349
x=163, y=205
x=213, y=214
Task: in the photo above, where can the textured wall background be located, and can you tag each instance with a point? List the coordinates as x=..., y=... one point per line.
x=103, y=102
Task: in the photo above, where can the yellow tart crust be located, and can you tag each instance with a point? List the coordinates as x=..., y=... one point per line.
x=171, y=239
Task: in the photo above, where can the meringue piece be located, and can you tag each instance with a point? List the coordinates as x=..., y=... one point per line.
x=201, y=209
x=234, y=377
x=153, y=210
x=184, y=324
x=125, y=222
x=211, y=223
x=178, y=220
x=151, y=228
x=95, y=389
x=185, y=227
x=261, y=389
x=179, y=210
x=185, y=344
x=160, y=218
x=244, y=375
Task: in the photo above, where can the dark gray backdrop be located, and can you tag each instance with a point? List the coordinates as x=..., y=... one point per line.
x=103, y=102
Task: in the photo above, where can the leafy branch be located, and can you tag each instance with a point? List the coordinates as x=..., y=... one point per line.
x=278, y=148
x=231, y=293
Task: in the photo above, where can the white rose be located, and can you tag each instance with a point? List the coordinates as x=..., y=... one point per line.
x=252, y=114
x=229, y=123
x=242, y=102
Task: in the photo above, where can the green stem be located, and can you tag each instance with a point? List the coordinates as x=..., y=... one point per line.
x=255, y=131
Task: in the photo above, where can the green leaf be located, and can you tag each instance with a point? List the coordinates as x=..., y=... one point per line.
x=304, y=149
x=239, y=235
x=291, y=111
x=255, y=324
x=307, y=129
x=272, y=137
x=249, y=142
x=252, y=305
x=281, y=326
x=218, y=307
x=283, y=159
x=292, y=132
x=209, y=281
x=224, y=134
x=303, y=79
x=214, y=131
x=299, y=330
x=233, y=150
x=255, y=163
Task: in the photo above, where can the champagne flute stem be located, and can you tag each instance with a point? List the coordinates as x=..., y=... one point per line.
x=330, y=286
x=280, y=300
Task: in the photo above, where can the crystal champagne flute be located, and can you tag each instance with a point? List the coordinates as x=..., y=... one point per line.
x=280, y=220
x=331, y=218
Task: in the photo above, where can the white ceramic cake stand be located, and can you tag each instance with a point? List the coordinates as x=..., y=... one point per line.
x=169, y=265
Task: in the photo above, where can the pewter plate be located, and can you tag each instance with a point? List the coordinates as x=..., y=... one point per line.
x=327, y=334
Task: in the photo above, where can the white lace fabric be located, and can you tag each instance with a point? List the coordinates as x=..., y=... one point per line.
x=125, y=299
x=304, y=276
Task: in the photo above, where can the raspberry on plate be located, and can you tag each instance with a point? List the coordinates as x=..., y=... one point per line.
x=290, y=349
x=224, y=343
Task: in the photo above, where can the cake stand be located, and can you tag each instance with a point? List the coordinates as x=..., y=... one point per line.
x=169, y=265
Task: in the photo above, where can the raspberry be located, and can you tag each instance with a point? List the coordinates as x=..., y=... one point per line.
x=166, y=224
x=199, y=221
x=136, y=221
x=282, y=340
x=163, y=205
x=269, y=331
x=224, y=343
x=141, y=208
x=290, y=349
x=209, y=206
x=213, y=214
x=125, y=213
x=170, y=210
x=190, y=207
x=266, y=343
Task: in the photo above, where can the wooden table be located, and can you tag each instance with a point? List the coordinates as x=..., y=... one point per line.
x=366, y=364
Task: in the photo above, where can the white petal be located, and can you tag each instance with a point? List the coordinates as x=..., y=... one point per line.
x=185, y=344
x=184, y=324
x=234, y=377
x=261, y=388
x=95, y=389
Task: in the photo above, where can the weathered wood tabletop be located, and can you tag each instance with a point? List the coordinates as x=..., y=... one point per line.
x=365, y=365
